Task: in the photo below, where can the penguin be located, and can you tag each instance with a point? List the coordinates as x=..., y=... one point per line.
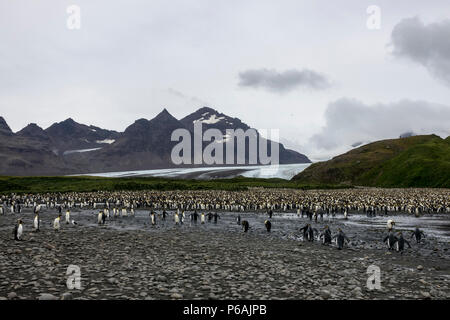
x=177, y=218
x=390, y=239
x=73, y=222
x=202, y=218
x=67, y=217
x=308, y=232
x=164, y=213
x=18, y=230
x=417, y=234
x=326, y=236
x=238, y=219
x=400, y=244
x=268, y=225
x=270, y=213
x=390, y=224
x=215, y=217
x=100, y=217
x=340, y=239
x=36, y=222
x=153, y=218
x=245, y=225
x=56, y=224
x=345, y=214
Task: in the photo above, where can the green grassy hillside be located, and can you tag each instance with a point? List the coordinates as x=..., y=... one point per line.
x=418, y=161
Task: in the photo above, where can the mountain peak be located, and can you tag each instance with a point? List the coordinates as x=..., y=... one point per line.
x=32, y=130
x=164, y=115
x=69, y=121
x=4, y=126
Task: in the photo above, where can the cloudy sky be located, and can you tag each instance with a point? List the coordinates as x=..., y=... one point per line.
x=312, y=69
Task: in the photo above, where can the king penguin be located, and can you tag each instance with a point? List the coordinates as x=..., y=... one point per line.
x=268, y=225
x=36, y=222
x=18, y=230
x=67, y=217
x=56, y=224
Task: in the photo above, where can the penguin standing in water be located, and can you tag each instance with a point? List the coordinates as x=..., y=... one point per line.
x=195, y=216
x=400, y=244
x=177, y=218
x=56, y=223
x=245, y=225
x=183, y=217
x=326, y=236
x=390, y=224
x=270, y=213
x=36, y=222
x=345, y=214
x=153, y=218
x=67, y=217
x=238, y=219
x=391, y=239
x=202, y=218
x=215, y=217
x=417, y=234
x=268, y=225
x=340, y=239
x=210, y=216
x=18, y=230
x=164, y=213
x=308, y=232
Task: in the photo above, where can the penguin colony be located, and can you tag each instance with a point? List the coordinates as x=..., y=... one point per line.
x=315, y=205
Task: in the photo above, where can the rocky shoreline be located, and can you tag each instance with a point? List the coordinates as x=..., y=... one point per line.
x=203, y=262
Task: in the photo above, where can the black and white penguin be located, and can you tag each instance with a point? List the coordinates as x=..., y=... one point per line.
x=417, y=234
x=100, y=217
x=153, y=218
x=245, y=225
x=268, y=225
x=400, y=244
x=238, y=219
x=326, y=236
x=56, y=223
x=202, y=218
x=390, y=224
x=215, y=217
x=177, y=218
x=308, y=232
x=36, y=222
x=340, y=239
x=390, y=239
x=18, y=230
x=67, y=217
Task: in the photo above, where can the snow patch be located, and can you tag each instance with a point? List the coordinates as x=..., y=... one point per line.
x=80, y=150
x=211, y=120
x=108, y=141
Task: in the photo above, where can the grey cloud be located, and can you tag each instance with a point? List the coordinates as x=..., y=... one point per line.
x=349, y=121
x=282, y=81
x=427, y=45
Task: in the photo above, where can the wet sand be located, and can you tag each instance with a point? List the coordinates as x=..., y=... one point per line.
x=129, y=259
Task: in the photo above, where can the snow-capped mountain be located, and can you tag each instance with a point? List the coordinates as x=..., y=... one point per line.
x=69, y=147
